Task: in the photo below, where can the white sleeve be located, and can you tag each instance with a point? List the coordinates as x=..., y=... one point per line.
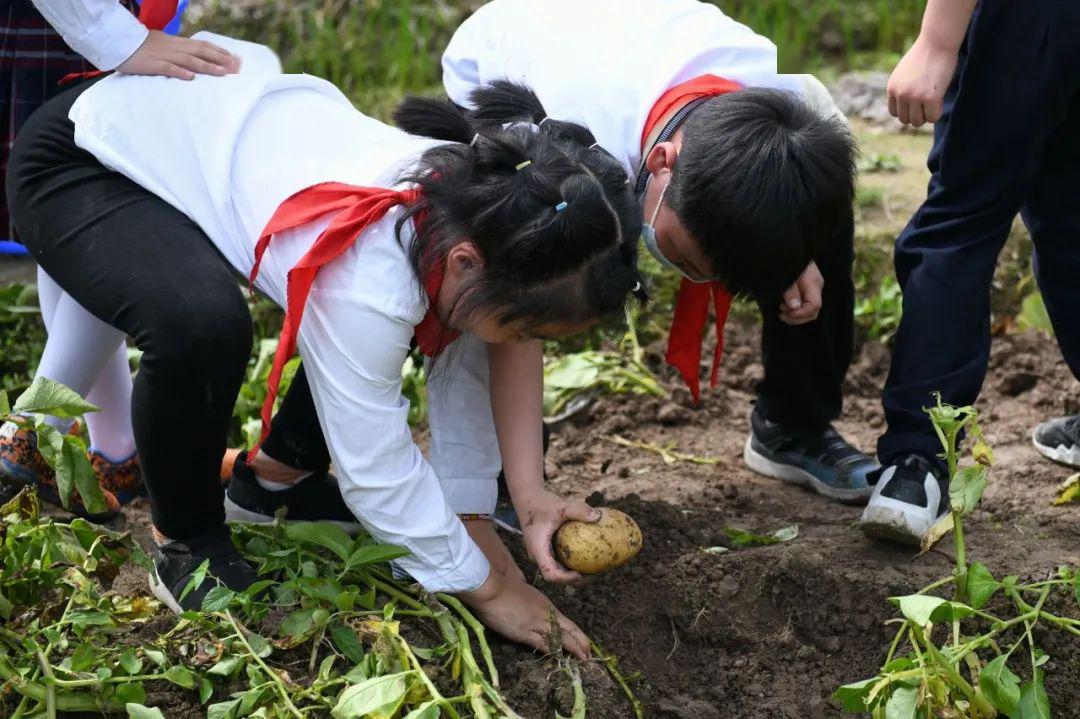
x=353, y=353
x=102, y=31
x=461, y=59
x=464, y=446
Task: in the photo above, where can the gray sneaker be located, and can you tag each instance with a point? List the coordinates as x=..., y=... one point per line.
x=1059, y=439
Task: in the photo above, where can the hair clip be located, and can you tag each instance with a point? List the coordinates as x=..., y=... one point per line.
x=522, y=165
x=595, y=144
x=475, y=139
x=637, y=286
x=542, y=121
x=561, y=206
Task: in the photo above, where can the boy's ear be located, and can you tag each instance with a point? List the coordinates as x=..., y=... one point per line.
x=661, y=157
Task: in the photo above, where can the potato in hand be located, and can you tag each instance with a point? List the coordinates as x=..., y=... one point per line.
x=591, y=548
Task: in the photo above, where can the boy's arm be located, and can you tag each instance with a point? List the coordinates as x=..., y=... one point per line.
x=517, y=403
x=111, y=38
x=918, y=84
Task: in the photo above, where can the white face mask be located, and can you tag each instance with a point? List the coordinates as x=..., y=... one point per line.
x=648, y=236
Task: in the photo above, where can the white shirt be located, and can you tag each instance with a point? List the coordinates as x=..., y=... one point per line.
x=226, y=152
x=605, y=63
x=102, y=31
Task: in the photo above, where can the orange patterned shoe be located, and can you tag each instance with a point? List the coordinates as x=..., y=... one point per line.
x=123, y=479
x=21, y=462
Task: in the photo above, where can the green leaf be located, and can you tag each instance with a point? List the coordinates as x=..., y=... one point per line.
x=226, y=667
x=1069, y=491
x=47, y=397
x=742, y=538
x=130, y=694
x=5, y=405
x=323, y=534
x=83, y=475
x=902, y=704
x=853, y=696
x=5, y=607
x=345, y=641
x=197, y=578
x=923, y=609
x=1000, y=686
x=81, y=618
x=981, y=585
x=223, y=710
x=297, y=624
x=376, y=554
x=206, y=690
x=218, y=599
x=1034, y=704
x=380, y=696
x=966, y=488
x=182, y=676
x=259, y=645
x=130, y=662
x=83, y=657
x=157, y=657
x=427, y=710
x=138, y=711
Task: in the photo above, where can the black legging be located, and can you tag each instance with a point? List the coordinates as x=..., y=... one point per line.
x=145, y=268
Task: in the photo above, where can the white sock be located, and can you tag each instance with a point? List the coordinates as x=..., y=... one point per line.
x=90, y=357
x=278, y=486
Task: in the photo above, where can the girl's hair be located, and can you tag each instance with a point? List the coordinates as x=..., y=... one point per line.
x=550, y=211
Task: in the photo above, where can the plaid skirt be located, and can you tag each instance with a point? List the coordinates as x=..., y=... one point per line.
x=33, y=59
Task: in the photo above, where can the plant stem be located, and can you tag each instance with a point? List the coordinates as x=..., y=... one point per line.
x=478, y=630
x=282, y=692
x=611, y=664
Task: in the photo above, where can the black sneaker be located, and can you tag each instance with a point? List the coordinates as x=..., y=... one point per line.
x=820, y=459
x=312, y=499
x=176, y=562
x=1059, y=439
x=910, y=496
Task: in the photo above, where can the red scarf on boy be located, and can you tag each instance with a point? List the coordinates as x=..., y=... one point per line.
x=692, y=303
x=357, y=208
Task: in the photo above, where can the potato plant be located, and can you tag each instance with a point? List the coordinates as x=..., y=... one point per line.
x=328, y=631
x=958, y=658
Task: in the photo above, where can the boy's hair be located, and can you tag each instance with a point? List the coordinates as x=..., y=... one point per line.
x=550, y=211
x=764, y=184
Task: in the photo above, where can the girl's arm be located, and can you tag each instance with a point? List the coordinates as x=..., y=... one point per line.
x=517, y=403
x=917, y=86
x=111, y=38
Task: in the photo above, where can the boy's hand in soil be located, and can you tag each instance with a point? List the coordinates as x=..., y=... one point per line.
x=541, y=513
x=519, y=611
x=179, y=57
x=483, y=533
x=802, y=301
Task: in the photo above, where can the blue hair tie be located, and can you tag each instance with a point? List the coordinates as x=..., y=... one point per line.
x=561, y=206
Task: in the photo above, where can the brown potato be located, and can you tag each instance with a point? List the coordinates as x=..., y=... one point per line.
x=593, y=548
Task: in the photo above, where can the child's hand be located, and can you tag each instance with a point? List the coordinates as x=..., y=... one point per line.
x=917, y=86
x=802, y=301
x=541, y=514
x=179, y=57
x=518, y=611
x=483, y=533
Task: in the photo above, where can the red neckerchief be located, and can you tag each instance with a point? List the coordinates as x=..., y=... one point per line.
x=154, y=14
x=692, y=303
x=357, y=208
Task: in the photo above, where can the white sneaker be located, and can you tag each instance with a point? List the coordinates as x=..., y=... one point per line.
x=908, y=500
x=1059, y=439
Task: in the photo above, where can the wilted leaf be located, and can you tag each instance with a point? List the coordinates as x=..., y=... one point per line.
x=1000, y=686
x=226, y=667
x=52, y=398
x=742, y=538
x=138, y=711
x=323, y=534
x=966, y=488
x=923, y=609
x=715, y=550
x=1069, y=491
x=379, y=696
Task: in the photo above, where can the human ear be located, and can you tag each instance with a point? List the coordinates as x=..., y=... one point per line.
x=661, y=157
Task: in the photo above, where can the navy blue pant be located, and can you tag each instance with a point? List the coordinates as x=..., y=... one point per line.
x=1008, y=142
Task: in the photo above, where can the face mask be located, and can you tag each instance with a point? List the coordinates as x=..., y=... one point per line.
x=648, y=235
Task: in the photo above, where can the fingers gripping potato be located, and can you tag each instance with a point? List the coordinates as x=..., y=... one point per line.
x=591, y=548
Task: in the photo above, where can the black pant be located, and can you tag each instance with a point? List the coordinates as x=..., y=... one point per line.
x=1008, y=142
x=145, y=268
x=805, y=365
